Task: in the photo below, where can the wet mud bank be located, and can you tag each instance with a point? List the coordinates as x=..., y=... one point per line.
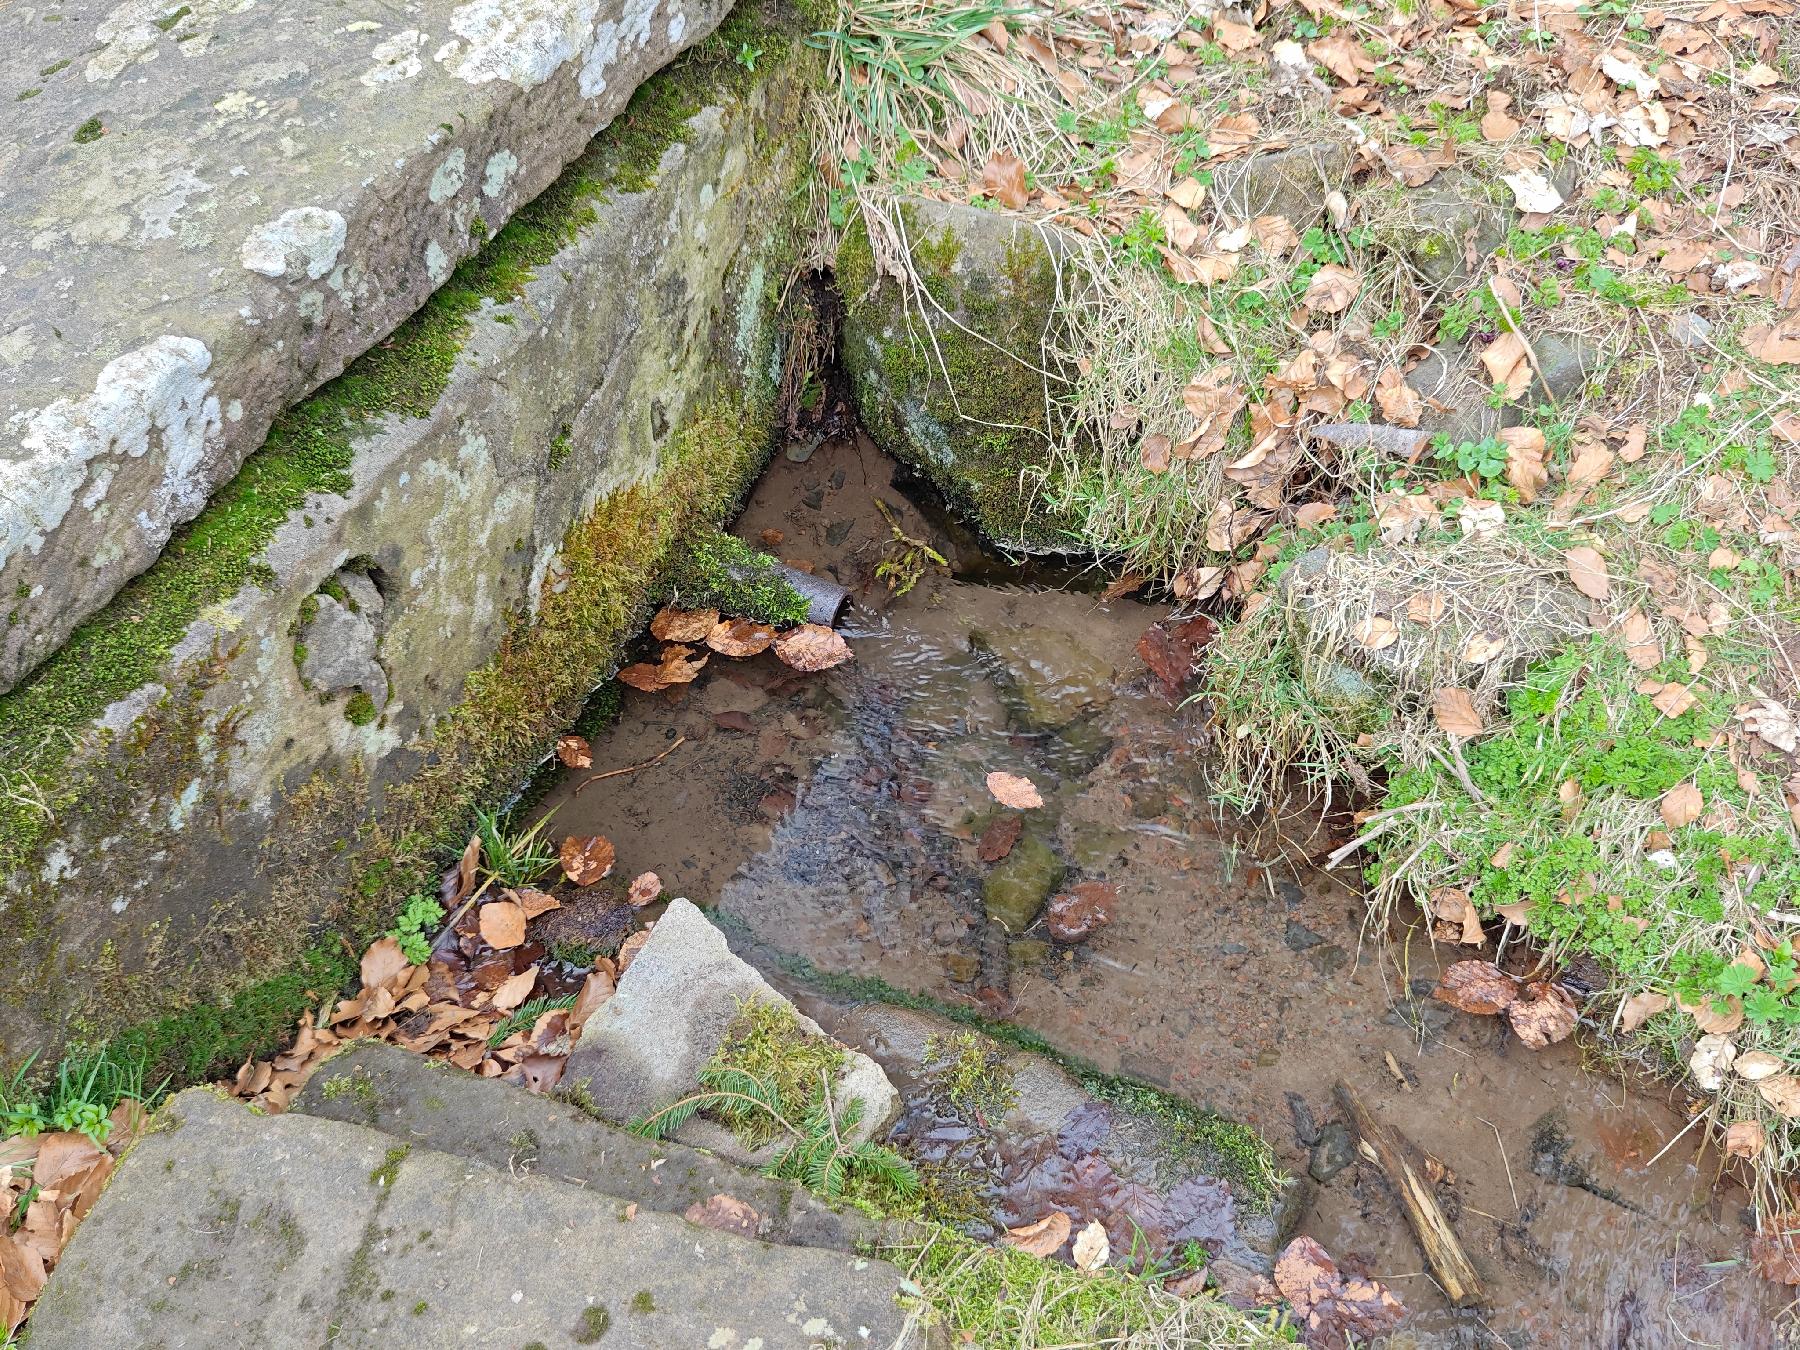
x=840, y=827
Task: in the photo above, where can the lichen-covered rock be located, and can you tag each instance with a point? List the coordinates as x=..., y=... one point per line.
x=953, y=382
x=1292, y=183
x=674, y=1008
x=1449, y=228
x=499, y=481
x=211, y=207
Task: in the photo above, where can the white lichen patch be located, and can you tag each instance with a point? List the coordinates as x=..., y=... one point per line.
x=612, y=39
x=396, y=59
x=437, y=262
x=501, y=165
x=524, y=42
x=157, y=397
x=447, y=181
x=304, y=242
x=158, y=208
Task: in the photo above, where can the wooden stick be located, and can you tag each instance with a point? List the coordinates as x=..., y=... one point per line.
x=632, y=768
x=1395, y=1155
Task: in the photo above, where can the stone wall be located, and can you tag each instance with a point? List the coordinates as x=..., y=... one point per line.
x=212, y=206
x=395, y=603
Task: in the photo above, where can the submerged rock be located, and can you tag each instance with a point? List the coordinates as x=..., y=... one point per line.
x=1029, y=1137
x=1046, y=676
x=1016, y=889
x=1077, y=914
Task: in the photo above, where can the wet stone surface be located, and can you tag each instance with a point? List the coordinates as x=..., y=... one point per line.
x=840, y=825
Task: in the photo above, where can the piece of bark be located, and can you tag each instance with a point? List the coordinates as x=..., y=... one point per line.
x=1402, y=1165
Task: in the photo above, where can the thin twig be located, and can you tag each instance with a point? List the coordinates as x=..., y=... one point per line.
x=673, y=746
x=1504, y=1163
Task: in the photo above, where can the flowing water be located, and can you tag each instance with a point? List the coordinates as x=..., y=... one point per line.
x=837, y=817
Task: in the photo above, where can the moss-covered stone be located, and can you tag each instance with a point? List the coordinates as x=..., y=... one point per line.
x=178, y=823
x=966, y=399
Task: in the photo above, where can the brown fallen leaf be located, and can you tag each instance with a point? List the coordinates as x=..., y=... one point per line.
x=726, y=1213
x=1542, y=1014
x=1077, y=914
x=1681, y=805
x=1525, y=469
x=1003, y=179
x=1476, y=987
x=1376, y=632
x=1399, y=402
x=998, y=838
x=1092, y=1251
x=1673, y=699
x=1781, y=1092
x=586, y=858
x=812, y=646
x=630, y=947
x=1336, y=1309
x=1587, y=570
x=1452, y=904
x=574, y=751
x=1043, y=1238
x=1640, y=1008
x=514, y=990
x=1155, y=452
x=1453, y=709
x=683, y=625
x=645, y=888
x=533, y=901
x=740, y=637
x=1497, y=124
x=502, y=924
x=382, y=962
x=595, y=990
x=1508, y=365
x=1011, y=789
x=1332, y=289
x=1744, y=1139
x=1777, y=343
x=1641, y=647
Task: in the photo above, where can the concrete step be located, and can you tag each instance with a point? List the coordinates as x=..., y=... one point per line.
x=225, y=1228
x=433, y=1105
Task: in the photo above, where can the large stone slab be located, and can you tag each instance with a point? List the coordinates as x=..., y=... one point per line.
x=430, y=1104
x=645, y=1047
x=224, y=1228
x=212, y=206
x=202, y=773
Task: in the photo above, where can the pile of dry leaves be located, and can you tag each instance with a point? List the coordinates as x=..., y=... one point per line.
x=48, y=1184
x=807, y=647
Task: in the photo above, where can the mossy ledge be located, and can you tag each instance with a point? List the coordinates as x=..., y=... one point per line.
x=225, y=972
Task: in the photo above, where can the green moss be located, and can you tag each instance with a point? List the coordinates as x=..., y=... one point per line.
x=89, y=131
x=54, y=67
x=720, y=571
x=642, y=1302
x=618, y=560
x=560, y=450
x=169, y=20
x=357, y=1086
x=593, y=1323
x=209, y=1039
x=27, y=93
x=767, y=1041
x=963, y=403
x=389, y=1170
x=360, y=709
x=971, y=1073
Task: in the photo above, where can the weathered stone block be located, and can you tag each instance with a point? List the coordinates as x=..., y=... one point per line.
x=645, y=1047
x=953, y=381
x=211, y=207
x=225, y=1228
x=1292, y=183
x=173, y=820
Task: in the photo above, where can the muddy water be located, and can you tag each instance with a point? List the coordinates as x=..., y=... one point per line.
x=837, y=818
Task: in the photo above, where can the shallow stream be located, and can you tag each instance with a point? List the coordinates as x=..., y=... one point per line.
x=837, y=817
